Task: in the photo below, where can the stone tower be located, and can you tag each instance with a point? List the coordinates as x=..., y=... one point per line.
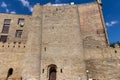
x=55, y=46
x=56, y=41
x=32, y=62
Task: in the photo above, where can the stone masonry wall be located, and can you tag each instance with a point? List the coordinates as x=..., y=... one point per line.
x=91, y=24
x=71, y=37
x=15, y=26
x=103, y=63
x=31, y=66
x=62, y=43
x=11, y=56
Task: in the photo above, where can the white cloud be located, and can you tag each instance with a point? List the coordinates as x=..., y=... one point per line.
x=4, y=5
x=111, y=23
x=26, y=3
x=7, y=10
x=31, y=9
x=57, y=1
x=12, y=12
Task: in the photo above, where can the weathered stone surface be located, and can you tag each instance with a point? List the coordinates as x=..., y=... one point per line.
x=67, y=39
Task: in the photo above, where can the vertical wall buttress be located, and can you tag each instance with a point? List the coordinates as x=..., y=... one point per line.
x=31, y=65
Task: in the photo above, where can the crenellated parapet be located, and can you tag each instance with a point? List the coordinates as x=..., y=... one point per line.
x=12, y=47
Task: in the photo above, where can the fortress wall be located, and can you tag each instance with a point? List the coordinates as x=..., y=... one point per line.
x=102, y=53
x=66, y=36
x=62, y=43
x=91, y=23
x=37, y=11
x=11, y=57
x=12, y=47
x=11, y=60
x=15, y=26
x=31, y=65
x=103, y=63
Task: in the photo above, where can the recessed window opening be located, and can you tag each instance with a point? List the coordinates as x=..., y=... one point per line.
x=19, y=46
x=115, y=51
x=3, y=38
x=45, y=49
x=53, y=27
x=21, y=78
x=19, y=42
x=21, y=22
x=2, y=45
x=6, y=26
x=100, y=32
x=43, y=71
x=18, y=33
x=61, y=71
x=14, y=42
x=56, y=9
x=10, y=72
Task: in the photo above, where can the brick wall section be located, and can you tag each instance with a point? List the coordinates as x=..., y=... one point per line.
x=91, y=24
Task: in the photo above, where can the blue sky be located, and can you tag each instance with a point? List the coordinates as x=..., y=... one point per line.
x=111, y=12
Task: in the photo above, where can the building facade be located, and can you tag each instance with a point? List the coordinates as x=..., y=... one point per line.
x=63, y=42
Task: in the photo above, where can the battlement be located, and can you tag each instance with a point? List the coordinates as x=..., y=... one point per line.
x=12, y=47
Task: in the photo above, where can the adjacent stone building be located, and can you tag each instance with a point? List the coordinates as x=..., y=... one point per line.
x=57, y=42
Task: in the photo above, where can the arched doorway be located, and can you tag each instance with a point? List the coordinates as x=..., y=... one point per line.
x=52, y=72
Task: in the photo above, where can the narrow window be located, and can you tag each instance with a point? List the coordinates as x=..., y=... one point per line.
x=61, y=70
x=115, y=51
x=3, y=38
x=100, y=32
x=18, y=33
x=43, y=71
x=45, y=49
x=6, y=26
x=21, y=78
x=21, y=22
x=10, y=72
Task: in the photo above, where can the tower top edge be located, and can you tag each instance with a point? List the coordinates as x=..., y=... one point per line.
x=64, y=4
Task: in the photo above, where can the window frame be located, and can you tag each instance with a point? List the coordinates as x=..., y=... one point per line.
x=18, y=33
x=3, y=38
x=6, y=26
x=21, y=22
